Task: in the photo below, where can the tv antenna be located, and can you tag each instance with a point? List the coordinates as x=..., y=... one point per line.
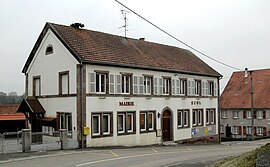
x=124, y=13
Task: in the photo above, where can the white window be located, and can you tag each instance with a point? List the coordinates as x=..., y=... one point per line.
x=49, y=50
x=194, y=118
x=64, y=83
x=95, y=125
x=147, y=85
x=147, y=121
x=198, y=87
x=207, y=116
x=166, y=86
x=248, y=114
x=200, y=117
x=260, y=130
x=235, y=114
x=259, y=114
x=36, y=86
x=249, y=130
x=186, y=118
x=126, y=122
x=235, y=130
x=223, y=114
x=101, y=83
x=180, y=119
x=103, y=120
x=211, y=88
x=126, y=80
x=183, y=86
x=65, y=121
x=121, y=123
x=212, y=116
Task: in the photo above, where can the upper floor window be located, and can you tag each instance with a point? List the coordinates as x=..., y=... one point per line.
x=99, y=82
x=198, y=87
x=64, y=83
x=166, y=86
x=148, y=84
x=36, y=86
x=183, y=87
x=211, y=88
x=49, y=50
x=235, y=114
x=126, y=83
x=259, y=114
x=223, y=114
x=248, y=114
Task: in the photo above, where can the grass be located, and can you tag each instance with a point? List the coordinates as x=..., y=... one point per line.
x=247, y=159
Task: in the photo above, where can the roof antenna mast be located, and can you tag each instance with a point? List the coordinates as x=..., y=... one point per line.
x=124, y=13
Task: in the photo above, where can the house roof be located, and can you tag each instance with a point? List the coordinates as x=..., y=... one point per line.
x=31, y=105
x=8, y=112
x=237, y=94
x=105, y=49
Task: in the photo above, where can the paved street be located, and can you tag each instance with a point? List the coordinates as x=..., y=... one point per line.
x=152, y=156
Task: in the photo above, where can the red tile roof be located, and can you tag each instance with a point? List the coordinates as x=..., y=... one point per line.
x=106, y=49
x=237, y=94
x=8, y=112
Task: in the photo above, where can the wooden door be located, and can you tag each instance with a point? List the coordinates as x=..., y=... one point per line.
x=166, y=126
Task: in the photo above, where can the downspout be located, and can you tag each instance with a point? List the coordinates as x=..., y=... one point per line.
x=219, y=112
x=82, y=102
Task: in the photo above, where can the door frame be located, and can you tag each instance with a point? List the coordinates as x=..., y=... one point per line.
x=171, y=123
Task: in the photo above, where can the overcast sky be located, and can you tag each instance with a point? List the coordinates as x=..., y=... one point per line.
x=236, y=32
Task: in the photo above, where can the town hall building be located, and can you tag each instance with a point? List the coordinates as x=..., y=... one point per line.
x=118, y=91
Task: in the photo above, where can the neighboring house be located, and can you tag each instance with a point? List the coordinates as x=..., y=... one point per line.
x=10, y=120
x=128, y=92
x=235, y=104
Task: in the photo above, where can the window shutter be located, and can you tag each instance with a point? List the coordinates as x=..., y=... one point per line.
x=160, y=83
x=155, y=86
x=239, y=130
x=193, y=87
x=264, y=131
x=215, y=89
x=92, y=83
x=111, y=83
x=244, y=130
x=207, y=89
x=244, y=114
x=135, y=85
x=189, y=88
x=118, y=84
x=177, y=87
x=173, y=86
x=141, y=84
x=255, y=131
x=254, y=114
x=203, y=88
x=264, y=114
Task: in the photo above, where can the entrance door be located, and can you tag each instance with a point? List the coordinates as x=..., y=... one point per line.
x=166, y=126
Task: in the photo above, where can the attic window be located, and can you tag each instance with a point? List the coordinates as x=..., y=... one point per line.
x=49, y=50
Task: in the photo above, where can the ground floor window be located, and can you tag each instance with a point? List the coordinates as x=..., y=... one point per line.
x=249, y=130
x=197, y=117
x=64, y=121
x=210, y=116
x=259, y=130
x=147, y=121
x=221, y=128
x=47, y=129
x=102, y=124
x=126, y=122
x=182, y=118
x=235, y=130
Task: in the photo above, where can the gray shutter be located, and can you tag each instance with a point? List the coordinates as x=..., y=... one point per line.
x=207, y=88
x=189, y=87
x=155, y=86
x=203, y=89
x=215, y=89
x=141, y=84
x=160, y=84
x=118, y=84
x=92, y=83
x=173, y=86
x=135, y=85
x=111, y=83
x=193, y=87
x=177, y=87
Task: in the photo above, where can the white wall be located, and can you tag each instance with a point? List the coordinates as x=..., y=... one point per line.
x=48, y=66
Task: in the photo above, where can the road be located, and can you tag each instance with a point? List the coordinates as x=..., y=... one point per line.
x=151, y=156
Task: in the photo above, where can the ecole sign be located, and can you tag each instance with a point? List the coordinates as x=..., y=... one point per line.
x=126, y=103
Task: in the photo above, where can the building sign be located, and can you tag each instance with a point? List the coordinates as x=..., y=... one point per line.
x=126, y=103
x=196, y=103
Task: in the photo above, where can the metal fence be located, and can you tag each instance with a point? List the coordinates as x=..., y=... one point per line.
x=11, y=142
